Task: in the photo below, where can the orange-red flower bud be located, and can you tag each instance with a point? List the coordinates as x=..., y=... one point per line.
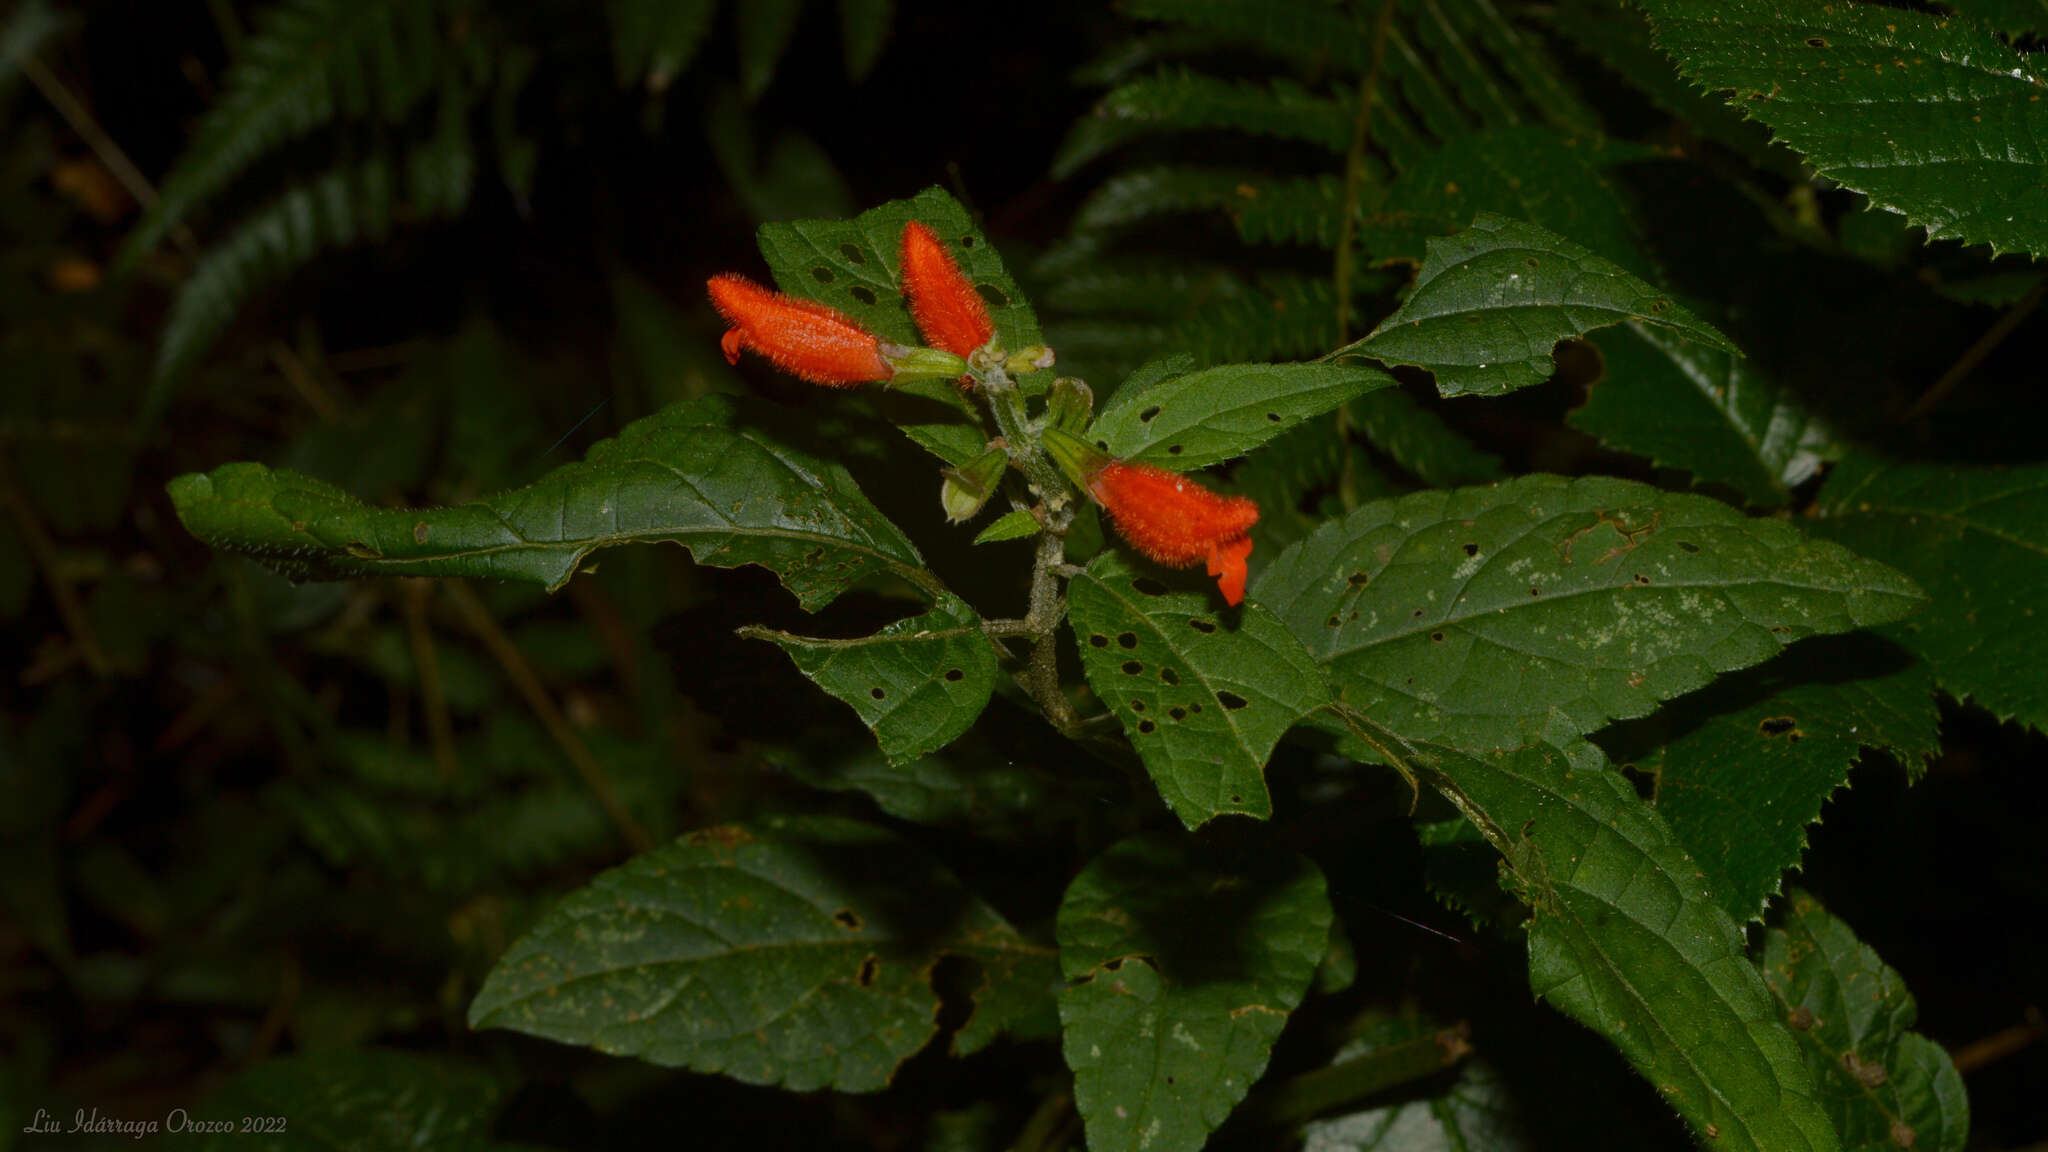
x=1177, y=522
x=950, y=313
x=801, y=337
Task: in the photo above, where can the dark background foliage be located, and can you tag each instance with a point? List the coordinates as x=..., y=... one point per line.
x=240, y=819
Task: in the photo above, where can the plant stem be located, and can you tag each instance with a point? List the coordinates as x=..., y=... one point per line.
x=1347, y=229
x=1048, y=605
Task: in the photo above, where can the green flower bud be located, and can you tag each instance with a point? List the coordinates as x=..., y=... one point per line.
x=1070, y=405
x=913, y=364
x=1036, y=358
x=1079, y=459
x=964, y=490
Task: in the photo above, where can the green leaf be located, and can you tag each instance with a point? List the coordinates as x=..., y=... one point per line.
x=1711, y=413
x=1626, y=938
x=1203, y=693
x=371, y=1100
x=1885, y=1086
x=797, y=952
x=1182, y=970
x=983, y=785
x=307, y=63
x=1014, y=525
x=765, y=28
x=653, y=41
x=693, y=473
x=852, y=266
x=919, y=683
x=1475, y=1112
x=1977, y=540
x=1490, y=617
x=1202, y=418
x=864, y=28
x=1491, y=302
x=1740, y=768
x=1949, y=122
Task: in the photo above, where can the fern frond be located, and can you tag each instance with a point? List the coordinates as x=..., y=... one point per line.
x=1171, y=102
x=1155, y=288
x=343, y=207
x=1165, y=190
x=1287, y=317
x=308, y=63
x=1313, y=36
x=1304, y=210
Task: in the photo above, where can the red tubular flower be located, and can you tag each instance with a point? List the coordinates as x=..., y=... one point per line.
x=1177, y=522
x=801, y=337
x=950, y=313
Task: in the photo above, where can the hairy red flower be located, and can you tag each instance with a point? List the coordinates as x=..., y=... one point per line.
x=1177, y=522
x=801, y=337
x=950, y=313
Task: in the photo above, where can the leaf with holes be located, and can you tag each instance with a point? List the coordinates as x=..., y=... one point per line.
x=1491, y=617
x=1949, y=120
x=1742, y=767
x=1885, y=1086
x=1182, y=969
x=1701, y=409
x=366, y=1099
x=1977, y=540
x=1492, y=301
x=709, y=474
x=797, y=952
x=1201, y=418
x=1203, y=693
x=1626, y=938
x=851, y=265
x=919, y=683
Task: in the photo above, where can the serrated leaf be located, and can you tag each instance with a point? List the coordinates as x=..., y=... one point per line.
x=1716, y=415
x=1191, y=421
x=1742, y=767
x=693, y=473
x=1977, y=540
x=797, y=952
x=1182, y=970
x=1886, y=1087
x=1488, y=617
x=1492, y=301
x=1626, y=938
x=918, y=684
x=1949, y=119
x=1014, y=525
x=371, y=1099
x=1203, y=693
